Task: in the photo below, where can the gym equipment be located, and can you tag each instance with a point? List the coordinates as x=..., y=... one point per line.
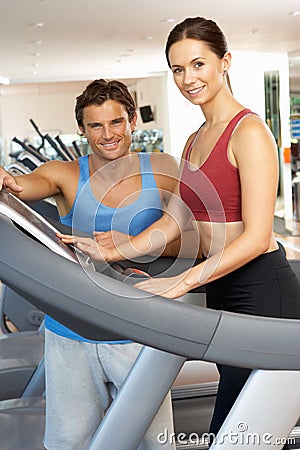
x=13, y=307
x=68, y=151
x=61, y=149
x=77, y=150
x=29, y=160
x=33, y=157
x=31, y=150
x=61, y=291
x=21, y=352
x=17, y=168
x=29, y=347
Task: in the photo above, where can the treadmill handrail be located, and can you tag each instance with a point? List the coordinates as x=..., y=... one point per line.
x=93, y=305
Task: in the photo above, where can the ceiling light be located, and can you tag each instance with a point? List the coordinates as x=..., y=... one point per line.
x=147, y=38
x=36, y=25
x=294, y=13
x=167, y=20
x=255, y=31
x=4, y=80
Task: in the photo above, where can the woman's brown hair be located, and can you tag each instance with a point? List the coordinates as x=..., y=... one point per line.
x=200, y=29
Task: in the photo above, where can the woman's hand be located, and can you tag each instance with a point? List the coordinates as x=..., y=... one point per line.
x=172, y=287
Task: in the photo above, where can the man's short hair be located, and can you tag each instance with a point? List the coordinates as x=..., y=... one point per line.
x=98, y=92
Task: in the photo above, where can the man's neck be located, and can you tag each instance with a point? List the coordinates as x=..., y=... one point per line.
x=112, y=170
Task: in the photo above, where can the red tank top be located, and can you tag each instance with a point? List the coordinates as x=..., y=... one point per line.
x=213, y=192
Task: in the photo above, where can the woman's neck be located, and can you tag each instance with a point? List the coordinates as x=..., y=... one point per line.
x=215, y=111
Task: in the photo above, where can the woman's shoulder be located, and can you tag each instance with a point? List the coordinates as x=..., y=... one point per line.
x=251, y=123
x=189, y=143
x=252, y=133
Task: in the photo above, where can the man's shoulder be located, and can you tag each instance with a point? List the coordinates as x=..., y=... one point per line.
x=165, y=169
x=57, y=169
x=61, y=165
x=164, y=163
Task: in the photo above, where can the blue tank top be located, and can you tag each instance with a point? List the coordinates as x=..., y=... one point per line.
x=88, y=215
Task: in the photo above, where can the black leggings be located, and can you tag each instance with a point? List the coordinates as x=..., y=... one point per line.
x=266, y=286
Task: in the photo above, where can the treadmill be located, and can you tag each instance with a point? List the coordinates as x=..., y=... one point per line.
x=267, y=344
x=22, y=351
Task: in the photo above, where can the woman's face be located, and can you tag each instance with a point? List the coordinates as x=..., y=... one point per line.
x=197, y=71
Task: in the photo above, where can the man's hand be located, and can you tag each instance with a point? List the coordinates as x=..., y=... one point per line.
x=88, y=246
x=9, y=182
x=111, y=239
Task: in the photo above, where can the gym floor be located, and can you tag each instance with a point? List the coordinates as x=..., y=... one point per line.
x=291, y=244
x=289, y=239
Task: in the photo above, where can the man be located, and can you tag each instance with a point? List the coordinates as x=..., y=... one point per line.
x=118, y=193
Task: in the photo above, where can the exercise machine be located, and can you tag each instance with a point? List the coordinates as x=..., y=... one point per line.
x=161, y=325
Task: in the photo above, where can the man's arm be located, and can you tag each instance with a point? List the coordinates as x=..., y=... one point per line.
x=43, y=182
x=8, y=181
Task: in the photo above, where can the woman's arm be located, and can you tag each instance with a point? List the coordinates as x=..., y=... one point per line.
x=186, y=246
x=254, y=150
x=152, y=240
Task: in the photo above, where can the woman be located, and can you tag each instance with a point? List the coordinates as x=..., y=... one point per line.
x=229, y=178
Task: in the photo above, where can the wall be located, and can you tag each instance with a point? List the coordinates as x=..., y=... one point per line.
x=247, y=77
x=151, y=91
x=247, y=80
x=184, y=118
x=51, y=105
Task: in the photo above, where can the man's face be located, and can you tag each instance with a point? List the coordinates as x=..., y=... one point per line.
x=108, y=130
